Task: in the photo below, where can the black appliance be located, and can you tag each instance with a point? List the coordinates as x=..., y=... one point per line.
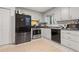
x=23, y=28
x=55, y=35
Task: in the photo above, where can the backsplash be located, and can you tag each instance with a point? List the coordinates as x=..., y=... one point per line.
x=75, y=21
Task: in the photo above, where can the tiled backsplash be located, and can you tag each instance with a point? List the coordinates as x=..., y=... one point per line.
x=75, y=21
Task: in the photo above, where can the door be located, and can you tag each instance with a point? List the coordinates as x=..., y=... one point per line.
x=23, y=37
x=43, y=32
x=4, y=26
x=46, y=33
x=27, y=21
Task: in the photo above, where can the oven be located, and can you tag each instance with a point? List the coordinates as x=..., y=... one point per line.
x=36, y=33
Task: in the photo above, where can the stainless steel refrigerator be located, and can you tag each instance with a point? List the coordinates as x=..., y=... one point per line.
x=23, y=28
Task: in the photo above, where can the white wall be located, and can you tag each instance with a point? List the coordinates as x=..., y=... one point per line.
x=12, y=9
x=11, y=24
x=34, y=15
x=50, y=12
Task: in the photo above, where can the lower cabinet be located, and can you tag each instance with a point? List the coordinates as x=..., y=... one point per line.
x=70, y=44
x=70, y=39
x=46, y=33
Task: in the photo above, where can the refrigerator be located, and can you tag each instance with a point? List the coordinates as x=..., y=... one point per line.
x=22, y=28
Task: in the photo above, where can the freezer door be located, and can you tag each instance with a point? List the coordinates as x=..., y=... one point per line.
x=22, y=37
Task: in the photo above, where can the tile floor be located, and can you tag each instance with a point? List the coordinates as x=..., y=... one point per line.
x=37, y=45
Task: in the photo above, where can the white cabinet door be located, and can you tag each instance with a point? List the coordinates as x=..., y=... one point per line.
x=46, y=33
x=74, y=12
x=65, y=13
x=70, y=35
x=42, y=32
x=70, y=39
x=70, y=44
x=5, y=26
x=57, y=14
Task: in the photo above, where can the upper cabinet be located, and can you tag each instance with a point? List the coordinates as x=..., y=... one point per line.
x=61, y=13
x=57, y=14
x=74, y=12
x=65, y=13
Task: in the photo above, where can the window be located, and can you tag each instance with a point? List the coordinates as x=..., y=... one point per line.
x=50, y=20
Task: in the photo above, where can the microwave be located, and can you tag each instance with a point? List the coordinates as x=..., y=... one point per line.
x=73, y=26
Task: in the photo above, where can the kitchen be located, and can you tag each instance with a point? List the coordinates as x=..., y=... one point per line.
x=56, y=24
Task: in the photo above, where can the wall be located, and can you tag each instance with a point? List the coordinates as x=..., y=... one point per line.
x=50, y=12
x=12, y=23
x=12, y=9
x=34, y=14
x=34, y=22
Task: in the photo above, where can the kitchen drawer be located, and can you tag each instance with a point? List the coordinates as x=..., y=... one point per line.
x=70, y=35
x=70, y=44
x=67, y=36
x=74, y=38
x=65, y=31
x=76, y=33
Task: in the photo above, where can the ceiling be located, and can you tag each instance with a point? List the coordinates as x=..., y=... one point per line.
x=39, y=9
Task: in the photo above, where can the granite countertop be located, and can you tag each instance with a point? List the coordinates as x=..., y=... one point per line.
x=71, y=29
x=55, y=28
x=47, y=27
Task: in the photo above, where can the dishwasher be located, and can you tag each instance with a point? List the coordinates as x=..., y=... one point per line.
x=55, y=35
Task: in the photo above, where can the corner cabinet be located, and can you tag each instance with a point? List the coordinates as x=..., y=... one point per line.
x=70, y=39
x=46, y=33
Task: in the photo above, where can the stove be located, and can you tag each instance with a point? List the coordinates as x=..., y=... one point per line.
x=35, y=33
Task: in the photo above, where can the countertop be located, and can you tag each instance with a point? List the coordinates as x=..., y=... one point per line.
x=70, y=29
x=47, y=27
x=55, y=28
